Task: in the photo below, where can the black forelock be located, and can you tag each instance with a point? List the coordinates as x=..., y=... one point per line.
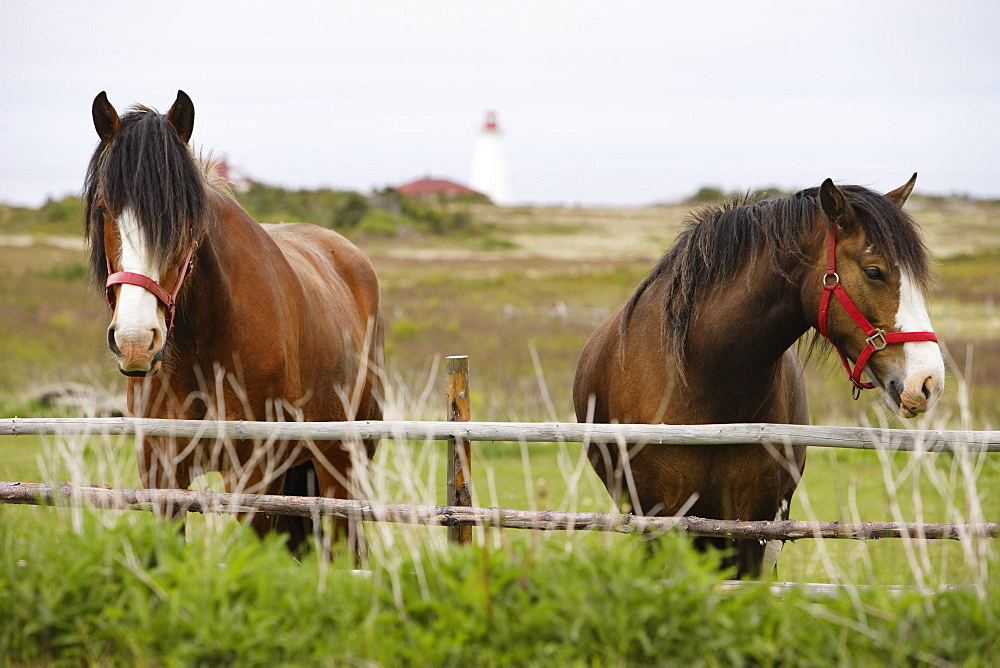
x=148, y=169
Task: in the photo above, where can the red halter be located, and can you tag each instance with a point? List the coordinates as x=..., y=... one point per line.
x=876, y=339
x=169, y=300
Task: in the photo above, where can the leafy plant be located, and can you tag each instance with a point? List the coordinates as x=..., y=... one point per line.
x=128, y=589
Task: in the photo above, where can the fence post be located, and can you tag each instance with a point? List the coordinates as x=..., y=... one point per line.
x=459, y=451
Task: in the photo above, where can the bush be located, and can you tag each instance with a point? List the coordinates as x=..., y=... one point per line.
x=707, y=194
x=350, y=212
x=380, y=223
x=56, y=216
x=337, y=210
x=125, y=588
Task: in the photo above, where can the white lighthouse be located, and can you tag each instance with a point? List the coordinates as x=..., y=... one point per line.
x=489, y=163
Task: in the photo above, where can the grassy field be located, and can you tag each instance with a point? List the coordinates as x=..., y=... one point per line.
x=521, y=299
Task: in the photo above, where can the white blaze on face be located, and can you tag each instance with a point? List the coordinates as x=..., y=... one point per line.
x=136, y=313
x=924, y=364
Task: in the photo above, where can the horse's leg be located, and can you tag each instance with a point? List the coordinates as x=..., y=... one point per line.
x=162, y=467
x=768, y=498
x=299, y=481
x=252, y=481
x=722, y=546
x=605, y=461
x=264, y=478
x=337, y=477
x=756, y=557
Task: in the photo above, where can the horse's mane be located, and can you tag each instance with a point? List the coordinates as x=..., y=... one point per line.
x=718, y=241
x=148, y=169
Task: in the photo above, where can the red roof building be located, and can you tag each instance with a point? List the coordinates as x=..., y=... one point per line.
x=441, y=188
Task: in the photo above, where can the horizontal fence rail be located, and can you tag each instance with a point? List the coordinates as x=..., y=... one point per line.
x=454, y=516
x=858, y=438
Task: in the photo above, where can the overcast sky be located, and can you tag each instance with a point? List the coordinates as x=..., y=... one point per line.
x=600, y=102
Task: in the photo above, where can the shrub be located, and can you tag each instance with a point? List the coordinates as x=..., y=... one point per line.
x=707, y=194
x=380, y=223
x=56, y=216
x=329, y=208
x=126, y=588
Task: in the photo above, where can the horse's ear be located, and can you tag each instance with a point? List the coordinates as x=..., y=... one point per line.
x=835, y=204
x=900, y=194
x=181, y=116
x=106, y=120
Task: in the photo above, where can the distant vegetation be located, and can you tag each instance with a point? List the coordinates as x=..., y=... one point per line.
x=385, y=213
x=54, y=217
x=328, y=208
x=709, y=194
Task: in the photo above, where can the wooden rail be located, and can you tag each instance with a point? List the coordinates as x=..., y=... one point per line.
x=463, y=516
x=858, y=438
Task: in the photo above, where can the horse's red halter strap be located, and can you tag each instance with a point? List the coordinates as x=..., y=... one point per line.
x=876, y=339
x=169, y=300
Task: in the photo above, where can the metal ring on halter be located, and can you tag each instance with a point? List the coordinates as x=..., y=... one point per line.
x=836, y=279
x=879, y=333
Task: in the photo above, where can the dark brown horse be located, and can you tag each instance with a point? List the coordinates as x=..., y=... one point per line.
x=708, y=337
x=215, y=316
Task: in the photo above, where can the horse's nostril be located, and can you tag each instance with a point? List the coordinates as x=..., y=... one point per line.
x=927, y=387
x=112, y=344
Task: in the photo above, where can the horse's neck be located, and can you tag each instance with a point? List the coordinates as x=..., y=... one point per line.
x=207, y=308
x=740, y=333
x=202, y=377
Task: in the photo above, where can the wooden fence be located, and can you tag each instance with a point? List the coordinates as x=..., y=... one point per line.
x=467, y=517
x=459, y=515
x=857, y=438
x=459, y=512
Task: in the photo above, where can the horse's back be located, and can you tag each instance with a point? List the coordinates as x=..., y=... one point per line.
x=325, y=259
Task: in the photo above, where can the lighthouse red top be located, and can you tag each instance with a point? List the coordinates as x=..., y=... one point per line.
x=491, y=121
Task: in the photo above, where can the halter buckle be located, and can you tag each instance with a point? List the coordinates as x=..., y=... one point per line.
x=836, y=279
x=879, y=334
x=856, y=391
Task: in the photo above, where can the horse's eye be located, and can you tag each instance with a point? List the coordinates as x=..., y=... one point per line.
x=874, y=273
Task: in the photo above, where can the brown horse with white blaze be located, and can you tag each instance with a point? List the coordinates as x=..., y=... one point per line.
x=216, y=316
x=708, y=337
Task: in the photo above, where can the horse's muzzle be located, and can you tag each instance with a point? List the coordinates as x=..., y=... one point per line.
x=152, y=370
x=914, y=394
x=141, y=374
x=133, y=356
